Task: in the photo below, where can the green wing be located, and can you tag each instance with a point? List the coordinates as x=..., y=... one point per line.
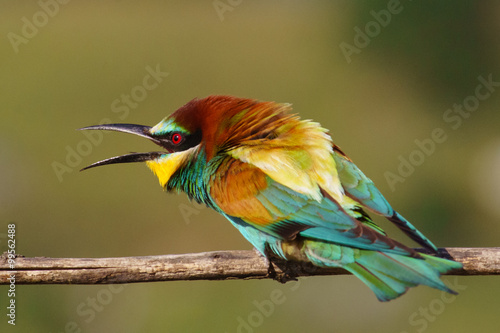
x=363, y=190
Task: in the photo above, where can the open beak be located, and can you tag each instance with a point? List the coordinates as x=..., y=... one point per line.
x=144, y=131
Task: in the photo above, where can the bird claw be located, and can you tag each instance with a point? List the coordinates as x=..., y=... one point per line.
x=282, y=277
x=286, y=272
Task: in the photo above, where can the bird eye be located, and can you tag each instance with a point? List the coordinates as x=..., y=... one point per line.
x=176, y=138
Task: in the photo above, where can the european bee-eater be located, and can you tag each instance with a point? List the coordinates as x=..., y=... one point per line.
x=286, y=187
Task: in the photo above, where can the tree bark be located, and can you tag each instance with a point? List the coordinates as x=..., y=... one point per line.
x=219, y=265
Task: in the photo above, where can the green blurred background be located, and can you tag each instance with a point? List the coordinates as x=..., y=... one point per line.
x=376, y=103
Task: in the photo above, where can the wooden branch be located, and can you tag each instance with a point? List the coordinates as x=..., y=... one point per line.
x=220, y=265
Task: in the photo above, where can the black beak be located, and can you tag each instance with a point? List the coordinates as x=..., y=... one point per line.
x=144, y=131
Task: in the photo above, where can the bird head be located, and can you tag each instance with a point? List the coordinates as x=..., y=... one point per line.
x=202, y=124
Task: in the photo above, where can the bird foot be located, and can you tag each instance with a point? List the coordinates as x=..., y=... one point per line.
x=281, y=277
x=286, y=271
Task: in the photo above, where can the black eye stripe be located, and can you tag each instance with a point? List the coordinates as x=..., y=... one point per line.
x=178, y=141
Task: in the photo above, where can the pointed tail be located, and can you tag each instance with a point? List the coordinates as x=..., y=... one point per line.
x=412, y=232
x=388, y=275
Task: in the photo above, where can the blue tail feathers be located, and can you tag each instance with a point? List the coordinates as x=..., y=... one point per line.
x=389, y=275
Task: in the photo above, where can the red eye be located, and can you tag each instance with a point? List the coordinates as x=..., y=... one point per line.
x=176, y=138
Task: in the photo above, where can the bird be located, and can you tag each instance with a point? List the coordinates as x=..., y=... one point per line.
x=289, y=190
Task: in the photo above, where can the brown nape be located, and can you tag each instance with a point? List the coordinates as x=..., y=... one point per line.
x=226, y=121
